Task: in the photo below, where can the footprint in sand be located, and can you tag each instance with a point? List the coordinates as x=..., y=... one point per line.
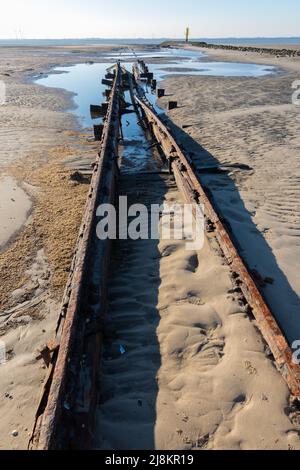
x=192, y=263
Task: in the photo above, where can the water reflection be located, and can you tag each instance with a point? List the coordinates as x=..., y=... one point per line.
x=84, y=80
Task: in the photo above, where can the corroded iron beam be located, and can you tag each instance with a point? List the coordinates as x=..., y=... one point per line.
x=192, y=190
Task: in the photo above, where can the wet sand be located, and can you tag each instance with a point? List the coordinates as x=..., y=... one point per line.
x=37, y=137
x=193, y=371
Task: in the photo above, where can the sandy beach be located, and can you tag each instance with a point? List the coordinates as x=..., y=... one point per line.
x=14, y=209
x=203, y=376
x=251, y=128
x=41, y=209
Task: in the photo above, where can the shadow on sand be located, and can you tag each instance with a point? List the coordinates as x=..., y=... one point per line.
x=252, y=245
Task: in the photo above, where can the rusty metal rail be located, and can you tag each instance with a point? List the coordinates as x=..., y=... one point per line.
x=65, y=415
x=193, y=192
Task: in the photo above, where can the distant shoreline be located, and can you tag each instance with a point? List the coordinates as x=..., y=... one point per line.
x=262, y=41
x=276, y=50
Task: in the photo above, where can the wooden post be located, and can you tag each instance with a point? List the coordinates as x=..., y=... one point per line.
x=160, y=92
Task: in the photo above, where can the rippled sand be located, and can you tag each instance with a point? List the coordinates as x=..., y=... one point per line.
x=195, y=373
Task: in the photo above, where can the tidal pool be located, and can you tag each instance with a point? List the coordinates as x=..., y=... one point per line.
x=84, y=80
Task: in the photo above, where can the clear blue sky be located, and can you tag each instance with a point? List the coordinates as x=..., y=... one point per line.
x=152, y=18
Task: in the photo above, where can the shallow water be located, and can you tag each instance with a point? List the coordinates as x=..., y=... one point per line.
x=84, y=80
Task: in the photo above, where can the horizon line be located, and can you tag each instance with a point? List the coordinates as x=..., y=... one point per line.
x=148, y=38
